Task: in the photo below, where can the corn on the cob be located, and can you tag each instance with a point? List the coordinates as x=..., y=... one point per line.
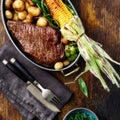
x=59, y=11
x=95, y=57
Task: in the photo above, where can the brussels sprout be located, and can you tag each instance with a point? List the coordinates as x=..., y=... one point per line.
x=72, y=57
x=67, y=54
x=71, y=51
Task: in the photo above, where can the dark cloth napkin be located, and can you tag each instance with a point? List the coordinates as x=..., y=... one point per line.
x=15, y=89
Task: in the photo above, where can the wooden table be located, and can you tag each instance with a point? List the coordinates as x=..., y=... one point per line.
x=101, y=19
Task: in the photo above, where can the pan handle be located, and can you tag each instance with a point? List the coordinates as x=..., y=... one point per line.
x=77, y=67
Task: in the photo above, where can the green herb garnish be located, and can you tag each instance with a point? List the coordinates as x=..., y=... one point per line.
x=83, y=86
x=80, y=116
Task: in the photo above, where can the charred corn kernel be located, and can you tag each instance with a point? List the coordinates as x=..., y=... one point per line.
x=59, y=11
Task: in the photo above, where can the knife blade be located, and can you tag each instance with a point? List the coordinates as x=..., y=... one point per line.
x=31, y=87
x=47, y=94
x=38, y=95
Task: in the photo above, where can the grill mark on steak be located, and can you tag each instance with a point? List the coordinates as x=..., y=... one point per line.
x=40, y=43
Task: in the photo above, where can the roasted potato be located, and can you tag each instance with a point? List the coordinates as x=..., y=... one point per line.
x=29, y=18
x=8, y=14
x=22, y=15
x=15, y=16
x=34, y=11
x=58, y=65
x=42, y=22
x=64, y=41
x=66, y=62
x=27, y=5
x=30, y=2
x=18, y=5
x=8, y=4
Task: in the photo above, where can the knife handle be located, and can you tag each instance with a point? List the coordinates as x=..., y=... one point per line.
x=22, y=70
x=14, y=70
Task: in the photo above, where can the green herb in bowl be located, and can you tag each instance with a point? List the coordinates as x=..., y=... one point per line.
x=80, y=114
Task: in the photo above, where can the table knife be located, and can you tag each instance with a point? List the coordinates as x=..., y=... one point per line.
x=31, y=87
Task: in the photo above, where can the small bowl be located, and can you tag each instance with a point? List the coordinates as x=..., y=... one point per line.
x=80, y=112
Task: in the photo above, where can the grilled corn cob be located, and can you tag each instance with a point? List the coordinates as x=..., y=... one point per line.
x=59, y=11
x=95, y=57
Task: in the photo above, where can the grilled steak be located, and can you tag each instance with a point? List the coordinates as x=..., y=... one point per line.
x=42, y=44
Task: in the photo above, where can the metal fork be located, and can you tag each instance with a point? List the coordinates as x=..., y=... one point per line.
x=46, y=93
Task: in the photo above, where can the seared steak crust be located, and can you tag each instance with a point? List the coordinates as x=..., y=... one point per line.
x=41, y=43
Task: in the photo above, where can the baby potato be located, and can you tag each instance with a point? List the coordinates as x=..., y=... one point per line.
x=22, y=15
x=29, y=18
x=8, y=4
x=8, y=14
x=64, y=41
x=34, y=11
x=15, y=16
x=30, y=2
x=58, y=65
x=18, y=5
x=66, y=62
x=27, y=5
x=42, y=22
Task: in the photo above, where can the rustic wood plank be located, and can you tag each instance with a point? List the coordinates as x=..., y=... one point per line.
x=101, y=20
x=7, y=110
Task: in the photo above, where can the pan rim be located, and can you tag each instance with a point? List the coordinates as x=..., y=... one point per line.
x=23, y=54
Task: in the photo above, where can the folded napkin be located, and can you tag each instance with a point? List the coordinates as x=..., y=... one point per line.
x=15, y=89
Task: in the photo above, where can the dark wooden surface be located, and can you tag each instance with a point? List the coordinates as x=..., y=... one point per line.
x=101, y=19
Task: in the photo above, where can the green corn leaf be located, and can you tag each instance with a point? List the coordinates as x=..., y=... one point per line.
x=83, y=86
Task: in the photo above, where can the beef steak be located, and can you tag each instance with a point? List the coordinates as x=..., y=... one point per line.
x=42, y=44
